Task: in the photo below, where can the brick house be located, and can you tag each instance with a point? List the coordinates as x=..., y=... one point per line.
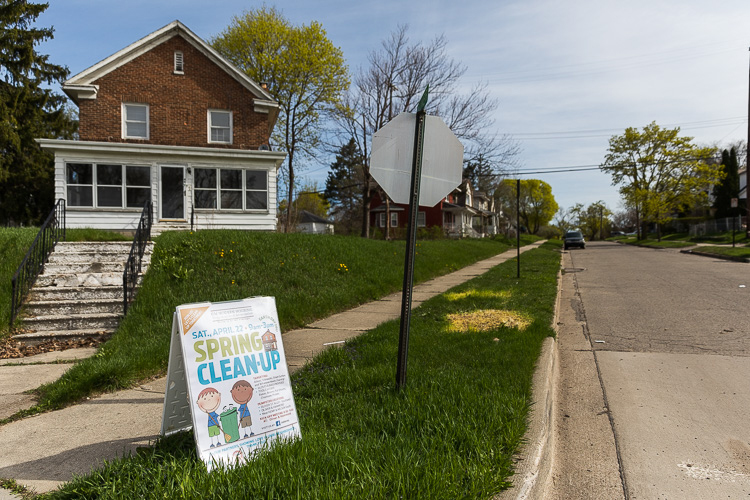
x=463, y=213
x=168, y=120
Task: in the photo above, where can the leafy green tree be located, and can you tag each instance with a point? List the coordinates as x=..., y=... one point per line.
x=660, y=172
x=304, y=71
x=593, y=220
x=482, y=174
x=537, y=204
x=28, y=110
x=312, y=200
x=343, y=188
x=728, y=188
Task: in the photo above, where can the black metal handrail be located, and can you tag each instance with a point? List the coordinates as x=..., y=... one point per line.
x=135, y=258
x=33, y=263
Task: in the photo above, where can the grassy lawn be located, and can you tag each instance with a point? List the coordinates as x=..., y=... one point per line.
x=451, y=433
x=653, y=243
x=310, y=276
x=14, y=243
x=740, y=252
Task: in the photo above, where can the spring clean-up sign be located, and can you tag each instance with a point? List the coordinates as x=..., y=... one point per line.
x=238, y=386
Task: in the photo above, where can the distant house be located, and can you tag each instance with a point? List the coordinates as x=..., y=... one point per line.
x=314, y=224
x=463, y=213
x=170, y=121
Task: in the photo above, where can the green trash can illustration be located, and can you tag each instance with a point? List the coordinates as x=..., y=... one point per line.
x=229, y=425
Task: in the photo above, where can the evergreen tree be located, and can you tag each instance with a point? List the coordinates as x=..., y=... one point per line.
x=27, y=111
x=482, y=174
x=728, y=188
x=343, y=189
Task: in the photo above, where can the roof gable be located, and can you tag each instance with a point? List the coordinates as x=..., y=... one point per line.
x=81, y=85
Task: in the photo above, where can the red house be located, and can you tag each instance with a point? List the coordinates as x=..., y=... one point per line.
x=168, y=120
x=463, y=213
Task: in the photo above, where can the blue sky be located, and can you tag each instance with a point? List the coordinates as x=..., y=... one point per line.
x=567, y=75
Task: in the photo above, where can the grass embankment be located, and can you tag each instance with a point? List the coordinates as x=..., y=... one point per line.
x=310, y=276
x=741, y=254
x=684, y=240
x=14, y=243
x=451, y=433
x=653, y=243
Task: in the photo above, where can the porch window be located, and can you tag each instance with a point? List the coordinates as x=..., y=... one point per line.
x=421, y=219
x=137, y=186
x=230, y=188
x=256, y=190
x=80, y=181
x=109, y=185
x=219, y=126
x=381, y=219
x=394, y=219
x=134, y=121
x=103, y=185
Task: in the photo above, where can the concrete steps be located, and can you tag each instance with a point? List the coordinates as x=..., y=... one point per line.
x=80, y=292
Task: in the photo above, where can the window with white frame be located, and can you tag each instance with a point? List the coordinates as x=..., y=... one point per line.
x=230, y=189
x=134, y=121
x=394, y=219
x=219, y=126
x=107, y=185
x=421, y=219
x=381, y=219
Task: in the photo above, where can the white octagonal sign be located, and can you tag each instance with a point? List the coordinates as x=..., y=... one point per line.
x=393, y=155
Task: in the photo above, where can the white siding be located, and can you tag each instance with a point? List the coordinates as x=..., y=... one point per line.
x=154, y=157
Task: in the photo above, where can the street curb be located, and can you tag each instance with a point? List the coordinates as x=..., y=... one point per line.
x=533, y=463
x=716, y=256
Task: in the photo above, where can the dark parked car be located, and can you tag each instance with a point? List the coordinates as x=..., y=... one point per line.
x=573, y=239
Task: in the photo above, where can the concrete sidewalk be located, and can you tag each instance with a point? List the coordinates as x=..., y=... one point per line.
x=44, y=451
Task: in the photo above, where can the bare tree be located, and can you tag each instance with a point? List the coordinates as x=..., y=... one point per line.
x=393, y=82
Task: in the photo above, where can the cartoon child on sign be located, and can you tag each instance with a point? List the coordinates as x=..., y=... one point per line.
x=242, y=391
x=209, y=400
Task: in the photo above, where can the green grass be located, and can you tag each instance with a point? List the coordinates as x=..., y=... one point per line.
x=740, y=252
x=89, y=234
x=310, y=276
x=659, y=244
x=14, y=243
x=451, y=433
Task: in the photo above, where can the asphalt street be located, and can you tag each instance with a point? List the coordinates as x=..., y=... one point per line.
x=656, y=345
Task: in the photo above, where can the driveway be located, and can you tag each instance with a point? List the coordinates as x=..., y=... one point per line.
x=666, y=337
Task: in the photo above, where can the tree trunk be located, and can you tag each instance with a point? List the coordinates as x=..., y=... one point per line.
x=387, y=217
x=366, y=207
x=287, y=226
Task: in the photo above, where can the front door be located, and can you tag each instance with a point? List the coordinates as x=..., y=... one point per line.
x=173, y=193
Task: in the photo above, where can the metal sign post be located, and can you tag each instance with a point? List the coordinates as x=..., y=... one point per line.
x=518, y=228
x=420, y=152
x=411, y=242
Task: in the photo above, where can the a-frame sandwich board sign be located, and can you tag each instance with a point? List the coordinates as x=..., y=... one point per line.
x=228, y=379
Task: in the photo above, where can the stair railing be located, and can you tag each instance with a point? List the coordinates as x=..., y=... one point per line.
x=32, y=265
x=135, y=258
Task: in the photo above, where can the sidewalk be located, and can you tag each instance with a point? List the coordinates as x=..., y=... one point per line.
x=44, y=451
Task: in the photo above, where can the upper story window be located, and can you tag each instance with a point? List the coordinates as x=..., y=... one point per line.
x=219, y=126
x=179, y=67
x=134, y=121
